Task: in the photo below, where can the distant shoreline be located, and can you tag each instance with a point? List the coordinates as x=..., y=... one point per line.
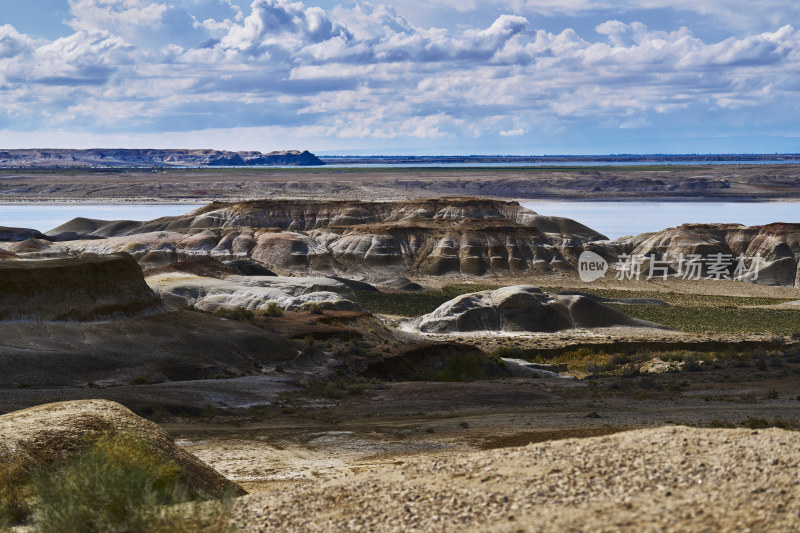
x=670, y=183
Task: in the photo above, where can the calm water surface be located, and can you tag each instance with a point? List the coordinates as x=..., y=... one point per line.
x=616, y=219
x=613, y=219
x=44, y=217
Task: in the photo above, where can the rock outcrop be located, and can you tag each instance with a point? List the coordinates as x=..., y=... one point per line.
x=143, y=157
x=82, y=289
x=777, y=245
x=50, y=434
x=19, y=234
x=167, y=347
x=253, y=292
x=522, y=308
x=368, y=240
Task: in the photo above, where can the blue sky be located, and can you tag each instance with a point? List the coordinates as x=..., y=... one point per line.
x=412, y=77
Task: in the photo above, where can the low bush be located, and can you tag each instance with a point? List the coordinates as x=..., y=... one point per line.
x=117, y=485
x=273, y=309
x=239, y=313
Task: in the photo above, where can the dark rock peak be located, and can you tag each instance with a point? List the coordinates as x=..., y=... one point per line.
x=116, y=157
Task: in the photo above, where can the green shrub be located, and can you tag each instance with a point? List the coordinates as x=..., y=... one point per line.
x=117, y=485
x=314, y=308
x=14, y=492
x=273, y=309
x=755, y=423
x=716, y=423
x=239, y=313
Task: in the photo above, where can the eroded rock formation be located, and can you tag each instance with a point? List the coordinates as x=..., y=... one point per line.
x=253, y=292
x=82, y=289
x=777, y=245
x=372, y=240
x=522, y=308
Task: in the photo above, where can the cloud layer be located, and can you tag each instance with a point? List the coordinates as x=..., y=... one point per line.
x=133, y=69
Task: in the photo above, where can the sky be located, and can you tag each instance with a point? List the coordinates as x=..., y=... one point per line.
x=421, y=77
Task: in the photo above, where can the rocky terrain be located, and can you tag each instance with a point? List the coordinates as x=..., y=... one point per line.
x=374, y=241
x=665, y=479
x=307, y=352
x=452, y=237
x=89, y=289
x=93, y=319
x=254, y=292
x=522, y=308
x=777, y=246
x=35, y=158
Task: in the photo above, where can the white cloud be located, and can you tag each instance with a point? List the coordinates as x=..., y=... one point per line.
x=272, y=21
x=155, y=22
x=366, y=72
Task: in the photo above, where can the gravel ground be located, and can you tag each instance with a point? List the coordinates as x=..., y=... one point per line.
x=666, y=479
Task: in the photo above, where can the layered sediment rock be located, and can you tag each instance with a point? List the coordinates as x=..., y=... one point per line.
x=372, y=240
x=522, y=308
x=777, y=247
x=253, y=292
x=82, y=289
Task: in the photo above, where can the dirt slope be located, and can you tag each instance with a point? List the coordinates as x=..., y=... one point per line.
x=665, y=479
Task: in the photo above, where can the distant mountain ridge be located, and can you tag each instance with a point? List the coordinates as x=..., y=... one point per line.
x=113, y=157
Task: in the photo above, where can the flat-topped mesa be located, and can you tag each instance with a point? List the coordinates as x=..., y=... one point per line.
x=373, y=240
x=113, y=157
x=308, y=215
x=74, y=289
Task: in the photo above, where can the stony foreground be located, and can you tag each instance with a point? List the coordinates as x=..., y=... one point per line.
x=665, y=479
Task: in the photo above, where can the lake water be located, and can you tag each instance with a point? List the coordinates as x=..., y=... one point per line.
x=616, y=219
x=44, y=217
x=612, y=219
x=512, y=164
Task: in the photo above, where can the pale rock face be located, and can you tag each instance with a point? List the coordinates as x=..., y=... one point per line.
x=253, y=292
x=368, y=240
x=521, y=308
x=778, y=245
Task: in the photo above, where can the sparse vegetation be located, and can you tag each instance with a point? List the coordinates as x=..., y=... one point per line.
x=239, y=313
x=118, y=484
x=693, y=313
x=273, y=309
x=414, y=304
